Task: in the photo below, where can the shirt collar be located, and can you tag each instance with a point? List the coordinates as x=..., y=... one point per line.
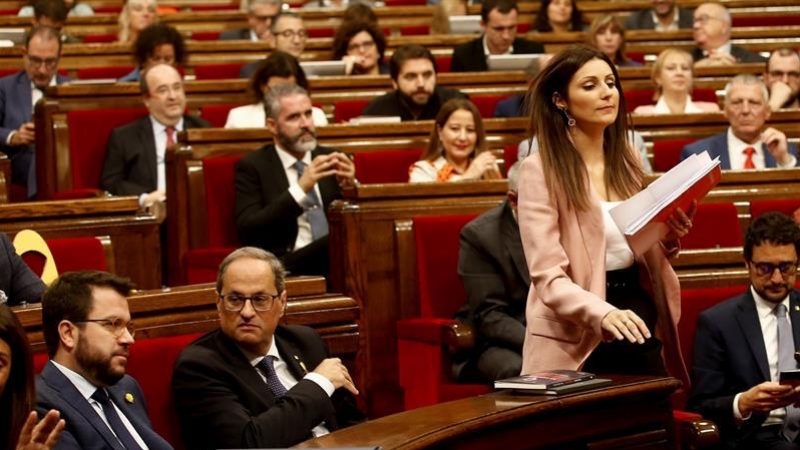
x=672, y=26
x=734, y=141
x=486, y=48
x=53, y=82
x=255, y=359
x=86, y=388
x=158, y=126
x=287, y=160
x=765, y=308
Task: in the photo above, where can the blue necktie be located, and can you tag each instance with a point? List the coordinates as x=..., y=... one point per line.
x=266, y=365
x=114, y=422
x=786, y=361
x=316, y=214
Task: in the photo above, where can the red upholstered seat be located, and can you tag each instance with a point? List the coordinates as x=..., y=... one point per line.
x=390, y=166
x=486, y=104
x=424, y=366
x=705, y=95
x=94, y=73
x=635, y=98
x=100, y=38
x=89, y=130
x=201, y=263
x=765, y=21
x=344, y=110
x=786, y=206
x=405, y=2
x=6, y=72
x=216, y=115
x=108, y=9
x=70, y=254
x=510, y=155
x=415, y=30
x=223, y=71
x=206, y=35
x=321, y=32
x=443, y=63
x=716, y=225
x=667, y=154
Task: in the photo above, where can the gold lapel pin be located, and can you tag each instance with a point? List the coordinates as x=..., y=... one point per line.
x=797, y=307
x=129, y=398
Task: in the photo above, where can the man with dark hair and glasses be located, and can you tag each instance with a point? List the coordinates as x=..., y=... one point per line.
x=259, y=18
x=254, y=383
x=18, y=93
x=782, y=77
x=88, y=331
x=742, y=345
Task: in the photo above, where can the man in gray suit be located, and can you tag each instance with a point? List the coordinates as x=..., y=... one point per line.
x=18, y=93
x=492, y=267
x=712, y=34
x=259, y=19
x=665, y=15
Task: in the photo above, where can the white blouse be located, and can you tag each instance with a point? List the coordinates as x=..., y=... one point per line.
x=618, y=254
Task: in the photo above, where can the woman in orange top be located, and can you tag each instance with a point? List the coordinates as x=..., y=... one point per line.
x=457, y=147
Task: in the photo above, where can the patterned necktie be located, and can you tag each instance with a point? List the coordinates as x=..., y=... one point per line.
x=316, y=214
x=170, y=136
x=786, y=361
x=748, y=158
x=267, y=367
x=114, y=422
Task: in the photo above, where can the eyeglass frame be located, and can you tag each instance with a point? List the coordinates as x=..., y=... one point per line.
x=780, y=74
x=36, y=62
x=115, y=326
x=244, y=298
x=364, y=46
x=786, y=268
x=291, y=34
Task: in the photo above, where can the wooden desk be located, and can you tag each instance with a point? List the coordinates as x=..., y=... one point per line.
x=633, y=413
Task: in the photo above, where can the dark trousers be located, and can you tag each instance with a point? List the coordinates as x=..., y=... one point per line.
x=767, y=438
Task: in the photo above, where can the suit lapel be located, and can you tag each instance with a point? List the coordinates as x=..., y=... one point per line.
x=291, y=355
x=769, y=161
x=719, y=147
x=513, y=242
x=241, y=365
x=142, y=427
x=24, y=96
x=275, y=168
x=751, y=328
x=71, y=396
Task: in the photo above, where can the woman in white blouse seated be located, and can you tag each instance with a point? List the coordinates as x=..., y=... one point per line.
x=672, y=75
x=279, y=68
x=457, y=147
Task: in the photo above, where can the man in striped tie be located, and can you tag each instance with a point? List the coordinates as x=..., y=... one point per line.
x=253, y=383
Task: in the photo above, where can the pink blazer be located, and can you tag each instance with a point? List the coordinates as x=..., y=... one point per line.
x=565, y=250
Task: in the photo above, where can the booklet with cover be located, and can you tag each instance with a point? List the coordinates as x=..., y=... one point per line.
x=568, y=388
x=543, y=380
x=642, y=217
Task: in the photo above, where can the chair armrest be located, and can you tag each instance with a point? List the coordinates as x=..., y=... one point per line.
x=695, y=432
x=448, y=333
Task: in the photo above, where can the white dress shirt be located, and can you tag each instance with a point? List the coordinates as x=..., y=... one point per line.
x=673, y=26
x=737, y=157
x=304, y=235
x=618, y=253
x=87, y=389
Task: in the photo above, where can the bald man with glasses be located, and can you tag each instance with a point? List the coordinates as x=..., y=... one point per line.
x=253, y=383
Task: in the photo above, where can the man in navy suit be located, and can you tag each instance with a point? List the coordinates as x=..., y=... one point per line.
x=254, y=383
x=284, y=189
x=18, y=93
x=499, y=23
x=88, y=331
x=738, y=350
x=747, y=144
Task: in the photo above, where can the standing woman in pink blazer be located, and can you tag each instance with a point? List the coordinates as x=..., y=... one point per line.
x=593, y=304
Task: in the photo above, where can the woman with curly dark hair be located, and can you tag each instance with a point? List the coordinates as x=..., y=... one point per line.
x=361, y=45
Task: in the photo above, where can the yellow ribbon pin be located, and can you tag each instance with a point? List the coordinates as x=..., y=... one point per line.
x=129, y=397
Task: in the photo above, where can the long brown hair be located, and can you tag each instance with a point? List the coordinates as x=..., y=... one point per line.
x=600, y=25
x=18, y=398
x=434, y=149
x=564, y=170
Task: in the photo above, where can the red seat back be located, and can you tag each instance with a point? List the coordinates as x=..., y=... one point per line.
x=223, y=71
x=405, y=2
x=510, y=156
x=94, y=73
x=99, y=38
x=667, y=154
x=415, y=30
x=705, y=95
x=216, y=115
x=321, y=32
x=344, y=110
x=635, y=98
x=70, y=254
x=716, y=225
x=89, y=130
x=206, y=35
x=486, y=103
x=766, y=21
x=786, y=206
x=441, y=292
x=218, y=174
x=389, y=166
x=443, y=63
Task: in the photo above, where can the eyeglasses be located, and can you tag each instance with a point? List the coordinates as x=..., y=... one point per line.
x=364, y=46
x=263, y=18
x=781, y=74
x=117, y=327
x=766, y=269
x=291, y=34
x=704, y=18
x=260, y=302
x=35, y=61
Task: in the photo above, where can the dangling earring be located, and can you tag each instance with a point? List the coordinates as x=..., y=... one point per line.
x=570, y=119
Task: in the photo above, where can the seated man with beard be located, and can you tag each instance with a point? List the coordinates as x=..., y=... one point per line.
x=415, y=95
x=283, y=190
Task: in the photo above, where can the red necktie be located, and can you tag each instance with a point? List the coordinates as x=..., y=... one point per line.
x=171, y=136
x=748, y=160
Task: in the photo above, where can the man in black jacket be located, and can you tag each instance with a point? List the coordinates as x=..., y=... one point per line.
x=499, y=23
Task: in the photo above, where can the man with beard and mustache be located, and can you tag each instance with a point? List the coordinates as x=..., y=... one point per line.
x=135, y=153
x=743, y=344
x=284, y=189
x=19, y=93
x=415, y=95
x=665, y=15
x=87, y=329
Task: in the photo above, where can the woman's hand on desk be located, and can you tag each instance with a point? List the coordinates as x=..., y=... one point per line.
x=624, y=324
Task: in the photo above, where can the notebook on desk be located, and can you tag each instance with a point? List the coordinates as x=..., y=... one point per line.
x=465, y=24
x=323, y=68
x=511, y=62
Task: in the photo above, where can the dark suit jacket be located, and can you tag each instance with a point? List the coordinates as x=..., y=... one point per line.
x=510, y=107
x=238, y=34
x=717, y=145
x=16, y=280
x=741, y=54
x=730, y=357
x=266, y=213
x=391, y=104
x=643, y=19
x=85, y=429
x=467, y=56
x=222, y=402
x=130, y=167
x=16, y=109
x=492, y=267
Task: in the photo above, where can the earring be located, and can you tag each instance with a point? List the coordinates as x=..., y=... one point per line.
x=570, y=119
